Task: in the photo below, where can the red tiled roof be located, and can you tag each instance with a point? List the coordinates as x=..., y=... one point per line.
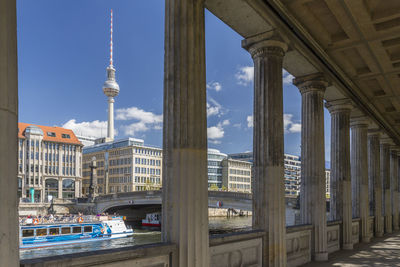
x=57, y=130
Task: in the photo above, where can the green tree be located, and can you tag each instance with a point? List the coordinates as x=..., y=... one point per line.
x=213, y=187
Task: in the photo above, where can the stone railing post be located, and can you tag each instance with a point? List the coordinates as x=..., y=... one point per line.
x=313, y=183
x=268, y=185
x=359, y=173
x=9, y=244
x=185, y=198
x=385, y=174
x=340, y=201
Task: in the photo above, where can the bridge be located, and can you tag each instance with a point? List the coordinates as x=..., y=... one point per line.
x=216, y=199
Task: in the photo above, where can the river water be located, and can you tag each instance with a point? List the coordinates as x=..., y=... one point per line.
x=140, y=237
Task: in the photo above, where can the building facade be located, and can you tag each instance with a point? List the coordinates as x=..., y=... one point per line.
x=236, y=175
x=123, y=166
x=214, y=163
x=49, y=163
x=292, y=172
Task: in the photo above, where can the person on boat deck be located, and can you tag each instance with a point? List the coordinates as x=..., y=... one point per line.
x=29, y=219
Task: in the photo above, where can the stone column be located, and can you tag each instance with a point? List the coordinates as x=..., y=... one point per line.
x=312, y=194
x=340, y=201
x=375, y=180
x=268, y=184
x=385, y=174
x=359, y=173
x=394, y=186
x=185, y=196
x=9, y=245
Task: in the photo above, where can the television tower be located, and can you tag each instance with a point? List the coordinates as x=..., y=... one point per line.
x=111, y=88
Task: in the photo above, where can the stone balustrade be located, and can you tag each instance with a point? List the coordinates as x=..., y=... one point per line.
x=157, y=254
x=333, y=236
x=371, y=226
x=237, y=249
x=355, y=230
x=298, y=245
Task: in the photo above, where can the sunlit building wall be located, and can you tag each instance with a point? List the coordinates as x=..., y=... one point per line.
x=124, y=165
x=49, y=163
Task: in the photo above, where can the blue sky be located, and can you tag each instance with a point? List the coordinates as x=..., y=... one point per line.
x=63, y=51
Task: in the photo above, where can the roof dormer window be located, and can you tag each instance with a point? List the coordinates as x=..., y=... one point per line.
x=65, y=136
x=51, y=134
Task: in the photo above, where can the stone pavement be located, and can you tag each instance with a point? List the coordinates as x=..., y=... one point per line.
x=383, y=251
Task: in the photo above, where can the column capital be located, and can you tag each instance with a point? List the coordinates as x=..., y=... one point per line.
x=311, y=82
x=374, y=132
x=385, y=140
x=339, y=105
x=359, y=122
x=394, y=149
x=265, y=44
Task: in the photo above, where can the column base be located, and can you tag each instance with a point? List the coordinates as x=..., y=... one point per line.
x=366, y=239
x=323, y=256
x=348, y=246
x=396, y=228
x=379, y=234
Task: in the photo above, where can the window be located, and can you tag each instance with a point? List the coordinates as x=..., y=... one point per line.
x=65, y=136
x=77, y=230
x=65, y=230
x=51, y=134
x=41, y=232
x=87, y=229
x=27, y=233
x=54, y=231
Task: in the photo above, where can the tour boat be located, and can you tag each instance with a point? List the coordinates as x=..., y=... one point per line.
x=44, y=235
x=152, y=220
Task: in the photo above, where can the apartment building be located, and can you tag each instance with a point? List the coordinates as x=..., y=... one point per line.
x=49, y=163
x=236, y=175
x=292, y=172
x=123, y=166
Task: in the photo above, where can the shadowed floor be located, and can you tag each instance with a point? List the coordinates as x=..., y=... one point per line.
x=384, y=251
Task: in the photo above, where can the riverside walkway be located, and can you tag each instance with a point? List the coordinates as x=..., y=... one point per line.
x=383, y=251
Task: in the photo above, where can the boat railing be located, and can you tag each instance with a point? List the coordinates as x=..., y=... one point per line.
x=33, y=220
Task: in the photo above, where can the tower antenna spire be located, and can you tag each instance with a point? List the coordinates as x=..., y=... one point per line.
x=111, y=87
x=111, y=39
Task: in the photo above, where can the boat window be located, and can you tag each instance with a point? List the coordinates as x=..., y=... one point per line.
x=27, y=233
x=65, y=230
x=77, y=230
x=41, y=232
x=54, y=231
x=87, y=229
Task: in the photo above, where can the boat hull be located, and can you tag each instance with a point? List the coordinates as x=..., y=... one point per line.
x=99, y=232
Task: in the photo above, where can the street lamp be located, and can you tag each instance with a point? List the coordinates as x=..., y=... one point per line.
x=93, y=182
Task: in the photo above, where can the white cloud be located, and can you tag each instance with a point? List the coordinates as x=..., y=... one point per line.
x=250, y=121
x=134, y=113
x=245, y=75
x=144, y=120
x=215, y=132
x=214, y=86
x=295, y=128
x=225, y=123
x=88, y=128
x=214, y=108
x=237, y=125
x=287, y=78
x=289, y=125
